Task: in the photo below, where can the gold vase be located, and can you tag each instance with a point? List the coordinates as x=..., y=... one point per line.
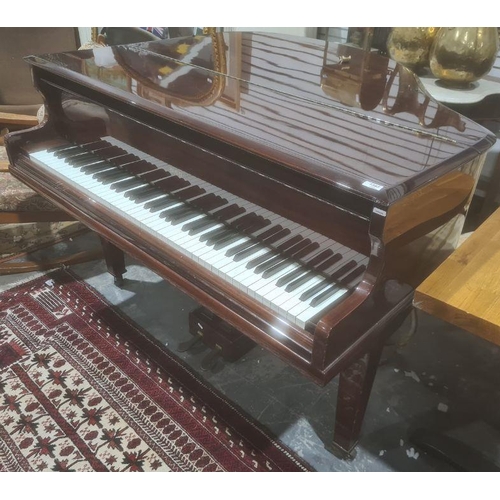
x=411, y=46
x=460, y=56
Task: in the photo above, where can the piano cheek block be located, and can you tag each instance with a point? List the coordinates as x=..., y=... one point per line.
x=261, y=196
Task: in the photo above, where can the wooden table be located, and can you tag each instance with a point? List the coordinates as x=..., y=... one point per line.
x=465, y=289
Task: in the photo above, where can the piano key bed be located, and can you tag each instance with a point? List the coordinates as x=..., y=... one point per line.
x=293, y=270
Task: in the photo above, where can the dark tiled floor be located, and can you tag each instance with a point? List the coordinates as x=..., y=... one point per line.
x=441, y=365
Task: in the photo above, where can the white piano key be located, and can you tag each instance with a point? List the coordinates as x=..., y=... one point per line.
x=264, y=290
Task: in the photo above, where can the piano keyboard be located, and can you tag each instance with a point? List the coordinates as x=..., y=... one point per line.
x=285, y=266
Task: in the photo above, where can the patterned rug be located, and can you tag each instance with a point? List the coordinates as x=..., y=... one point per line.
x=82, y=388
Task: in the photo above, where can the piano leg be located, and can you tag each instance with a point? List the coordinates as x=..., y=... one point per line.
x=115, y=261
x=354, y=390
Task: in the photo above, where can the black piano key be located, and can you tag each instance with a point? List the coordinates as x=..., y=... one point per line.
x=95, y=145
x=236, y=227
x=217, y=232
x=152, y=196
x=65, y=154
x=81, y=160
x=215, y=218
x=154, y=176
x=112, y=152
x=140, y=168
x=117, y=177
x=197, y=226
x=172, y=183
x=315, y=289
x=271, y=271
x=343, y=270
x=297, y=255
x=189, y=214
x=112, y=173
x=315, y=261
x=227, y=240
x=245, y=246
x=161, y=204
x=352, y=275
x=135, y=194
x=170, y=214
x=208, y=203
x=282, y=257
x=124, y=160
x=61, y=147
x=126, y=184
x=148, y=194
x=190, y=192
x=204, y=203
x=96, y=167
x=328, y=281
x=77, y=153
x=210, y=224
x=273, y=252
x=260, y=244
x=257, y=225
x=276, y=259
x=297, y=279
x=325, y=295
x=343, y=282
x=228, y=212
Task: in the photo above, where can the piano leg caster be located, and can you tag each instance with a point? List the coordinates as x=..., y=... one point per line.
x=115, y=261
x=354, y=390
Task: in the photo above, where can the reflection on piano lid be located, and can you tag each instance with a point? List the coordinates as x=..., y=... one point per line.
x=282, y=109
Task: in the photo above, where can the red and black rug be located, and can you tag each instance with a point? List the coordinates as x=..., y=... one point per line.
x=83, y=388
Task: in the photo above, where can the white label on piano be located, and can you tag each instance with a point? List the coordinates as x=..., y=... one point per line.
x=379, y=211
x=372, y=185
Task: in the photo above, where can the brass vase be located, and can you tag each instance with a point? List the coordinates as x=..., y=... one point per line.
x=460, y=56
x=411, y=46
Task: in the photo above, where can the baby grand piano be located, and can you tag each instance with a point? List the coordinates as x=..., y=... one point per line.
x=297, y=190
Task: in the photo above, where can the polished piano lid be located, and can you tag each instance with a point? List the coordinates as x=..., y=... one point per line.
x=353, y=119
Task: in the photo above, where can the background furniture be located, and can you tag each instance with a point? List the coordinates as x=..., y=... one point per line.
x=465, y=289
x=27, y=220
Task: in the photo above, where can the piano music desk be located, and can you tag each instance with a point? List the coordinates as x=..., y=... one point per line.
x=465, y=289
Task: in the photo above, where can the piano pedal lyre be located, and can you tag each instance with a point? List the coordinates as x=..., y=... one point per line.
x=224, y=341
